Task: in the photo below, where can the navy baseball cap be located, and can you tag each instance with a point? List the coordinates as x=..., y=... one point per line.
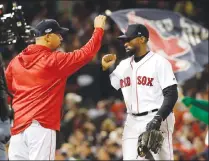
x=133, y=31
x=47, y=26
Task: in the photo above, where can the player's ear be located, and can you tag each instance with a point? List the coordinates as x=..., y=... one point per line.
x=138, y=40
x=47, y=38
x=143, y=39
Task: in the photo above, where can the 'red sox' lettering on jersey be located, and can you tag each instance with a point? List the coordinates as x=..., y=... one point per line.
x=125, y=82
x=145, y=81
x=141, y=80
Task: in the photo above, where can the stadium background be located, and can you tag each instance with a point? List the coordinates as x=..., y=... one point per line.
x=94, y=112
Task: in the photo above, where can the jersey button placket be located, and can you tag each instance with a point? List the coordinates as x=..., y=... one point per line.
x=135, y=93
x=137, y=98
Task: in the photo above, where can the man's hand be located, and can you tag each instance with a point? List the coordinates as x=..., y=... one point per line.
x=99, y=21
x=108, y=60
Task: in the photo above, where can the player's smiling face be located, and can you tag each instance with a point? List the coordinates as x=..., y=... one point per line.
x=131, y=46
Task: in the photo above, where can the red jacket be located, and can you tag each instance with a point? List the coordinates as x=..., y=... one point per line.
x=37, y=78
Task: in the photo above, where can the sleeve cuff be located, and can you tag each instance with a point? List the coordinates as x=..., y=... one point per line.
x=114, y=81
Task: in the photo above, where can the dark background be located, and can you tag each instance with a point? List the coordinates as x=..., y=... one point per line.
x=92, y=128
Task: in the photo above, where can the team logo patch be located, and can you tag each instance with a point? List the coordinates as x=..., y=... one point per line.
x=48, y=30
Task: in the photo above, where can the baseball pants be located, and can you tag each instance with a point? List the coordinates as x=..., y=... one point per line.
x=134, y=126
x=34, y=143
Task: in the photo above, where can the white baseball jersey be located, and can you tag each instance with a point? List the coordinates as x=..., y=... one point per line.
x=142, y=82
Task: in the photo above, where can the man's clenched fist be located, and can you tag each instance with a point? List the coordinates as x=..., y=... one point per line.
x=99, y=21
x=108, y=60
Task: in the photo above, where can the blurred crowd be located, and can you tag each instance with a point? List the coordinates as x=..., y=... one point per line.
x=93, y=113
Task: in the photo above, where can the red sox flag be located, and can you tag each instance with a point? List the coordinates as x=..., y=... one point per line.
x=183, y=42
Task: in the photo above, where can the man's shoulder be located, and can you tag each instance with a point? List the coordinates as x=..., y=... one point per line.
x=161, y=60
x=159, y=57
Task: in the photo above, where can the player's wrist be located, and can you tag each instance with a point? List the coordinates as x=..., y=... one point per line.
x=155, y=123
x=104, y=68
x=158, y=118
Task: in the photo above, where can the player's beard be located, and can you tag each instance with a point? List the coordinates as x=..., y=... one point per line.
x=130, y=51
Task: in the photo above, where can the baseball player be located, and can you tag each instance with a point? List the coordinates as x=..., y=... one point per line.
x=149, y=88
x=36, y=78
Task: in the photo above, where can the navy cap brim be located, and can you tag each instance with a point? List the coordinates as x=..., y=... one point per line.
x=122, y=37
x=62, y=30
